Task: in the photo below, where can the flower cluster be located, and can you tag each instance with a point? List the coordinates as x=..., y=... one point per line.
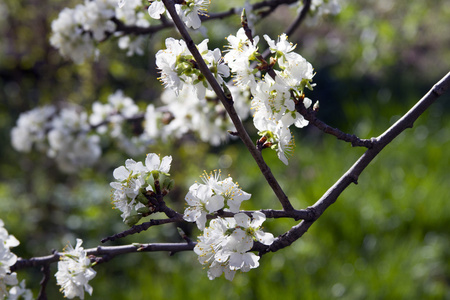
x=185, y=112
x=225, y=243
x=72, y=136
x=69, y=141
x=136, y=183
x=7, y=259
x=31, y=128
x=63, y=134
x=112, y=118
x=75, y=271
x=178, y=67
x=76, y=31
x=275, y=94
x=224, y=246
x=214, y=194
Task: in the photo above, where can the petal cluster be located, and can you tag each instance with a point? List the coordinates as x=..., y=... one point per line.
x=214, y=194
x=224, y=246
x=77, y=31
x=73, y=136
x=178, y=67
x=133, y=180
x=276, y=94
x=74, y=272
x=9, y=285
x=189, y=11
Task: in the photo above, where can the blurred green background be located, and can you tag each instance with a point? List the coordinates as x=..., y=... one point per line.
x=385, y=238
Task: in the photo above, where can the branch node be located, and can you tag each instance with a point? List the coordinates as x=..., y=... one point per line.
x=353, y=178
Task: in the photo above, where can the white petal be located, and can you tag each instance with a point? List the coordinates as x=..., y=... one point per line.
x=265, y=238
x=121, y=173
x=258, y=219
x=201, y=221
x=215, y=203
x=152, y=162
x=242, y=220
x=165, y=164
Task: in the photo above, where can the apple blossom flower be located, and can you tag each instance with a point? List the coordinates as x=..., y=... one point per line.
x=201, y=201
x=190, y=10
x=178, y=67
x=9, y=285
x=239, y=56
x=133, y=180
x=20, y=292
x=75, y=271
x=7, y=258
x=77, y=31
x=224, y=246
x=212, y=196
x=156, y=9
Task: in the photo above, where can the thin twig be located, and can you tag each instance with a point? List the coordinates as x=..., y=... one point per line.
x=46, y=272
x=141, y=227
x=228, y=104
x=310, y=115
x=300, y=18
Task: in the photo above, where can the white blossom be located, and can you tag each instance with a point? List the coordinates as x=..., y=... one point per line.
x=130, y=180
x=156, y=9
x=153, y=163
x=77, y=31
x=188, y=11
x=213, y=195
x=201, y=201
x=69, y=140
x=133, y=179
x=74, y=272
x=178, y=67
x=7, y=258
x=9, y=285
x=20, y=292
x=31, y=128
x=224, y=246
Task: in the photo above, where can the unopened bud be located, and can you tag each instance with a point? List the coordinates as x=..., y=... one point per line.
x=142, y=199
x=143, y=210
x=132, y=220
x=171, y=184
x=167, y=184
x=244, y=21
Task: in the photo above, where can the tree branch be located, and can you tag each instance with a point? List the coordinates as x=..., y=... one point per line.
x=228, y=104
x=352, y=175
x=108, y=252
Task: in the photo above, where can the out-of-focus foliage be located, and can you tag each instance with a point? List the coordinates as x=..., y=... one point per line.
x=385, y=238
